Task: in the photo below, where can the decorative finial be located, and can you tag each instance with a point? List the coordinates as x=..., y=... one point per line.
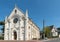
x=15, y=5
x=6, y=19
x=26, y=13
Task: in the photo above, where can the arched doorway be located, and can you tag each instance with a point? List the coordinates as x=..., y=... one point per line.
x=15, y=35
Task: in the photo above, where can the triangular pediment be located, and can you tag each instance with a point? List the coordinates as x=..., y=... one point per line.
x=16, y=11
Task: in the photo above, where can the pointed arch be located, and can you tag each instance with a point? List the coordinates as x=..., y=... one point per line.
x=15, y=35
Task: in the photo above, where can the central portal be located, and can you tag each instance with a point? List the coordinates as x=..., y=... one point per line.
x=15, y=35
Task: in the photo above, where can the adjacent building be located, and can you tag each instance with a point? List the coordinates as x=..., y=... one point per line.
x=54, y=32
x=58, y=32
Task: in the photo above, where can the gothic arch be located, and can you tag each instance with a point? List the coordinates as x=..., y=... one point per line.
x=15, y=35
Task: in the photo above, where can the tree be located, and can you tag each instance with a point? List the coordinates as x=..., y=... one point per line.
x=2, y=23
x=47, y=32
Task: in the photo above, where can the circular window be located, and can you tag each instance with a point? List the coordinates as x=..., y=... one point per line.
x=15, y=20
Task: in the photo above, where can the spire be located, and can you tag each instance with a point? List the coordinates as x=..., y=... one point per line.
x=26, y=24
x=6, y=19
x=27, y=13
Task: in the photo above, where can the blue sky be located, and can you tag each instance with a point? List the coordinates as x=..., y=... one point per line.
x=49, y=10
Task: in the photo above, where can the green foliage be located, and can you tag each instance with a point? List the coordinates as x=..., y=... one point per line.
x=55, y=37
x=47, y=32
x=1, y=38
x=3, y=24
x=3, y=29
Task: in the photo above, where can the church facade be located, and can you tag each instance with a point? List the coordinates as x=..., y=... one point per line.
x=18, y=26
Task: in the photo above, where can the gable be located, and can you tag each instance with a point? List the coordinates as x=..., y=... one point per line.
x=54, y=30
x=16, y=12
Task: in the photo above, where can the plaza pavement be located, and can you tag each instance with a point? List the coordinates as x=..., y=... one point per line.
x=26, y=41
x=20, y=41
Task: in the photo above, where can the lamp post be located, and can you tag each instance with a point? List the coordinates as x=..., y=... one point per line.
x=43, y=29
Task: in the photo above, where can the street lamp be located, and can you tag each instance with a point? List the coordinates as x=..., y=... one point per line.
x=43, y=29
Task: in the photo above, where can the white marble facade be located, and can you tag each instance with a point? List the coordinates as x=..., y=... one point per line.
x=19, y=27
